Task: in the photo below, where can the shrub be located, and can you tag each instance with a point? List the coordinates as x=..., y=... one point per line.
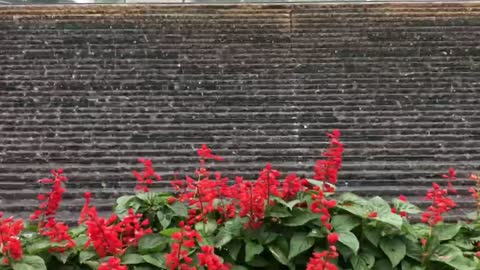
x=210, y=222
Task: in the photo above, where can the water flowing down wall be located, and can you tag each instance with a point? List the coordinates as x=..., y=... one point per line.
x=91, y=88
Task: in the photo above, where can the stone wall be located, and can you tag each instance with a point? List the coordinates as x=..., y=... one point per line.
x=91, y=88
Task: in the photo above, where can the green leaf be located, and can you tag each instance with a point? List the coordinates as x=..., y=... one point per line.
x=259, y=261
x=463, y=243
x=147, y=197
x=132, y=258
x=350, y=240
x=105, y=259
x=179, y=209
x=446, y=231
x=63, y=257
x=238, y=267
x=223, y=237
x=156, y=259
x=344, y=251
x=151, y=243
x=279, y=250
x=319, y=184
x=39, y=246
x=363, y=261
x=379, y=205
x=164, y=219
x=266, y=237
x=405, y=207
x=420, y=230
x=355, y=209
x=123, y=202
x=278, y=211
x=126, y=202
x=394, y=248
x=86, y=255
x=234, y=248
x=372, y=234
x=385, y=215
x=252, y=249
x=168, y=232
x=92, y=264
x=145, y=267
x=232, y=228
x=344, y=223
x=299, y=217
x=452, y=256
x=29, y=263
x=292, y=203
x=349, y=197
x=391, y=219
x=77, y=231
x=445, y=252
x=414, y=250
x=81, y=241
x=161, y=198
x=475, y=239
x=353, y=204
x=207, y=228
x=383, y=264
x=299, y=243
x=317, y=233
x=461, y=263
x=406, y=265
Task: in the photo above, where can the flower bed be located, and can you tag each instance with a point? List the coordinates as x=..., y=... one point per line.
x=267, y=223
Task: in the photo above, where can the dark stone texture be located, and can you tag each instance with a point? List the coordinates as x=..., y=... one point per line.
x=91, y=88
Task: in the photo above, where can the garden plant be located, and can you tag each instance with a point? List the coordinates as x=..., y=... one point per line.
x=273, y=222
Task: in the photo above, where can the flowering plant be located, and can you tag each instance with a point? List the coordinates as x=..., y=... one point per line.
x=271, y=222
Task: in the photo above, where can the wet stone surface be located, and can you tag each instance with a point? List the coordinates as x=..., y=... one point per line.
x=257, y=83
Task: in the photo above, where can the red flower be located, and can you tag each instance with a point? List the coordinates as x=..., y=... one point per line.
x=51, y=200
x=373, y=214
x=112, y=264
x=103, y=235
x=327, y=170
x=209, y=260
x=251, y=198
x=320, y=260
x=423, y=241
x=206, y=153
x=179, y=257
x=268, y=184
x=57, y=232
x=475, y=191
x=145, y=178
x=13, y=249
x=402, y=198
x=86, y=206
x=320, y=205
x=477, y=254
x=291, y=186
x=451, y=176
x=441, y=204
x=131, y=228
x=10, y=244
x=171, y=200
x=402, y=213
x=332, y=238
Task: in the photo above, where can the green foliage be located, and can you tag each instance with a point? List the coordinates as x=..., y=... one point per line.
x=289, y=235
